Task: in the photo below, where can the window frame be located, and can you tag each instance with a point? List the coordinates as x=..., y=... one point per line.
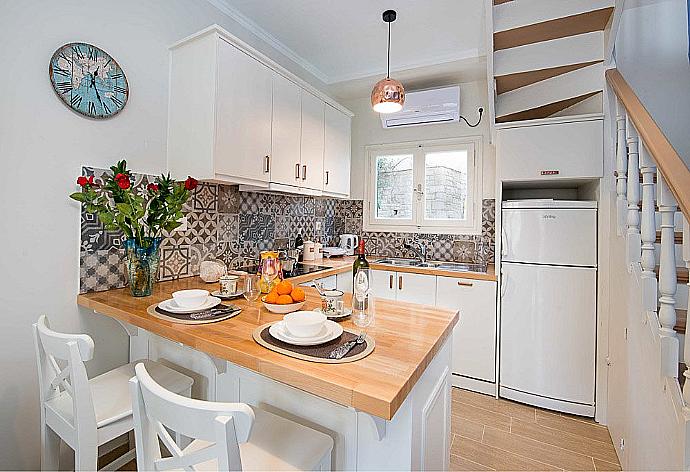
x=419, y=224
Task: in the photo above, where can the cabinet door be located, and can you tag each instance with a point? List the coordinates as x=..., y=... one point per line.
x=312, y=141
x=416, y=288
x=385, y=284
x=474, y=337
x=243, y=116
x=286, y=129
x=337, y=154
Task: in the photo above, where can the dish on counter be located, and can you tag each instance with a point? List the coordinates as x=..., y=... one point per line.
x=330, y=331
x=216, y=293
x=172, y=306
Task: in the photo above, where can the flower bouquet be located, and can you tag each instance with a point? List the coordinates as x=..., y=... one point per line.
x=141, y=218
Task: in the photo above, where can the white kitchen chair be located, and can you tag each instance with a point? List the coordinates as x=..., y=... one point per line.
x=86, y=413
x=226, y=436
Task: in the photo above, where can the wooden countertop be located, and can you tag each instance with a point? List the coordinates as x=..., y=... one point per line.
x=343, y=264
x=408, y=336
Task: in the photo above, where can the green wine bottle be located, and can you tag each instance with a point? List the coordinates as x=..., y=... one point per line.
x=360, y=263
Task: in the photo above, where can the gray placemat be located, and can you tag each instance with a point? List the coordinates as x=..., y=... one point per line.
x=318, y=353
x=221, y=312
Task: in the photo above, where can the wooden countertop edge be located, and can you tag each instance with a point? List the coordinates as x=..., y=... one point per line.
x=280, y=368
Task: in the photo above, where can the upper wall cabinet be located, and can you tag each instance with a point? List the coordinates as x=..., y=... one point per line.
x=236, y=116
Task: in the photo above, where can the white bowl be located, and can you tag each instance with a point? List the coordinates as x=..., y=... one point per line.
x=282, y=309
x=190, y=298
x=304, y=324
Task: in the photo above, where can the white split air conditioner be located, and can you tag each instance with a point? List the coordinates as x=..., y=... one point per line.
x=441, y=105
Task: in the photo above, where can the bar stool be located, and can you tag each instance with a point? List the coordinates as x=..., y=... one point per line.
x=226, y=436
x=83, y=412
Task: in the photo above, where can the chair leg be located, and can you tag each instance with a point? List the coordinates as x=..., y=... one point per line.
x=50, y=448
x=86, y=458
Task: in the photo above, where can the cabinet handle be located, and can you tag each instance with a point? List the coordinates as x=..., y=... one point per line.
x=326, y=177
x=267, y=162
x=465, y=284
x=391, y=281
x=297, y=171
x=304, y=172
x=400, y=282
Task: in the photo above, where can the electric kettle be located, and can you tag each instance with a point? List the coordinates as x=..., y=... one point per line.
x=349, y=242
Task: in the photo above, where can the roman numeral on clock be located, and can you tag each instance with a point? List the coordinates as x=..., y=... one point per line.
x=64, y=87
x=120, y=89
x=119, y=75
x=92, y=108
x=105, y=107
x=93, y=54
x=78, y=52
x=62, y=55
x=76, y=101
x=117, y=101
x=60, y=71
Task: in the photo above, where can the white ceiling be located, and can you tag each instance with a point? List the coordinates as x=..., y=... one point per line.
x=345, y=40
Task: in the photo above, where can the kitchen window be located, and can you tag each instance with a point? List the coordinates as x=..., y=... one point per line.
x=431, y=186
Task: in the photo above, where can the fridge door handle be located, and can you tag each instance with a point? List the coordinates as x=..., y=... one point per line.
x=504, y=242
x=504, y=284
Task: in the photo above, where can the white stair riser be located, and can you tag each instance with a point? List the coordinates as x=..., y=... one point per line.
x=511, y=15
x=586, y=47
x=573, y=84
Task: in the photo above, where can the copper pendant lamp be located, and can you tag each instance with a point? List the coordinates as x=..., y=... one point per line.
x=388, y=95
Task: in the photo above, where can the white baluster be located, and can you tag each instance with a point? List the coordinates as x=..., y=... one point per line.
x=648, y=230
x=633, y=219
x=621, y=168
x=667, y=279
x=686, y=349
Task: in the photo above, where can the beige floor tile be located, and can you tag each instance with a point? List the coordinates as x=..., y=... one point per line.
x=536, y=450
x=572, y=442
x=487, y=402
x=460, y=463
x=570, y=425
x=466, y=428
x=605, y=466
x=481, y=416
x=493, y=457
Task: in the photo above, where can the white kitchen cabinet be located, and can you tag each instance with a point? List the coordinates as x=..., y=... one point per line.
x=312, y=142
x=286, y=130
x=550, y=150
x=474, y=337
x=405, y=287
x=337, y=153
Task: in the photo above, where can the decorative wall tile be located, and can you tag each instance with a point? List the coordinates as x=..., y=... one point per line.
x=256, y=227
x=300, y=225
x=94, y=236
x=205, y=198
x=464, y=251
x=101, y=270
x=228, y=227
x=202, y=227
x=228, y=199
x=199, y=253
x=174, y=262
x=282, y=227
x=249, y=202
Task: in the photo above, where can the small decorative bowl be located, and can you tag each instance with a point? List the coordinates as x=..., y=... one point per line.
x=282, y=309
x=190, y=298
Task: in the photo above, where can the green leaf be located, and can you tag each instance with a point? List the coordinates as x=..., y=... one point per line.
x=78, y=196
x=124, y=208
x=171, y=225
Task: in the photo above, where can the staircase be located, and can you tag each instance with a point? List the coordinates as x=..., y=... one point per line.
x=547, y=57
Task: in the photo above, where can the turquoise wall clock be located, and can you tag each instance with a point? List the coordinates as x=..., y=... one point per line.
x=88, y=80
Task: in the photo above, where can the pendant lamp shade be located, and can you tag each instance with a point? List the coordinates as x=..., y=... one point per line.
x=388, y=95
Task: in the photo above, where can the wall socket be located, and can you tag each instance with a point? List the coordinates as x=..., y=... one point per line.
x=318, y=226
x=183, y=226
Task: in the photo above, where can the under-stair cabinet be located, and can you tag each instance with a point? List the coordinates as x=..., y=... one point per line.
x=236, y=116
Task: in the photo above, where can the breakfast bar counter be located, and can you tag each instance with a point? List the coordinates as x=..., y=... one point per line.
x=387, y=410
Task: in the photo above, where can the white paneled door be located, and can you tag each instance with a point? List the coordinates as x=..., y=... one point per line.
x=286, y=129
x=312, y=142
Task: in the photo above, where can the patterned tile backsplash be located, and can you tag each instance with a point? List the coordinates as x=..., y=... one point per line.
x=235, y=226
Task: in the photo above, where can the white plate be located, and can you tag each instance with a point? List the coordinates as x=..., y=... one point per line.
x=346, y=312
x=332, y=331
x=282, y=309
x=171, y=306
x=217, y=293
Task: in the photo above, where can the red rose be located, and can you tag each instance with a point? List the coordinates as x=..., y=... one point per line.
x=119, y=177
x=83, y=181
x=152, y=187
x=123, y=183
x=190, y=183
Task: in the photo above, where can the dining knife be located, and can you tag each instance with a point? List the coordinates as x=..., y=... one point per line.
x=342, y=350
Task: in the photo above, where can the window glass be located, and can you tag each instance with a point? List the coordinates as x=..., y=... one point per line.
x=445, y=185
x=394, y=184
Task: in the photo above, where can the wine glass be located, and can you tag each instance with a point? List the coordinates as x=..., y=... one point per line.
x=252, y=288
x=362, y=300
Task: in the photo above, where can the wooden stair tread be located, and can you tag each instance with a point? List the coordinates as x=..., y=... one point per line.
x=508, y=82
x=499, y=2
x=595, y=20
x=677, y=236
x=681, y=274
x=544, y=111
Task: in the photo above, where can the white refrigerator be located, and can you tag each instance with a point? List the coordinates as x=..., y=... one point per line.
x=548, y=304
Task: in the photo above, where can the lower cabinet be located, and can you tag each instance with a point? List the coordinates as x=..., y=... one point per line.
x=474, y=337
x=405, y=287
x=329, y=283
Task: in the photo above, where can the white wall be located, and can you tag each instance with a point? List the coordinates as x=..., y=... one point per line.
x=652, y=55
x=42, y=147
x=367, y=130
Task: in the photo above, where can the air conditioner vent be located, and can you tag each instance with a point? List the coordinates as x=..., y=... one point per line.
x=426, y=107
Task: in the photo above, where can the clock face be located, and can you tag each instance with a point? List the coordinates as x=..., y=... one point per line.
x=88, y=80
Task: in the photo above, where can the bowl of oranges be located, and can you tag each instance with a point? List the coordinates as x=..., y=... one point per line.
x=284, y=298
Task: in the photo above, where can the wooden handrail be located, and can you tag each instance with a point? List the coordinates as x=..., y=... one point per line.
x=672, y=167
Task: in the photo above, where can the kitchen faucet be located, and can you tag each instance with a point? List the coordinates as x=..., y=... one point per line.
x=419, y=249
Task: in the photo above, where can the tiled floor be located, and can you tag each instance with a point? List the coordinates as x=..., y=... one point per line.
x=490, y=434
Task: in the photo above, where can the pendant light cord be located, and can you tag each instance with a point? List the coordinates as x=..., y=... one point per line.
x=388, y=74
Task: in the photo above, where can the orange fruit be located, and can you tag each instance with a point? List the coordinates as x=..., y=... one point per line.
x=284, y=299
x=272, y=297
x=284, y=288
x=298, y=294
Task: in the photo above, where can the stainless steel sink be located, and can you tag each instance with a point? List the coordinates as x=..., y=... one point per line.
x=398, y=261
x=451, y=266
x=461, y=267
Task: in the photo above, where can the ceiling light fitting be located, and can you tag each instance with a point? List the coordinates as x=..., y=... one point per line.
x=388, y=95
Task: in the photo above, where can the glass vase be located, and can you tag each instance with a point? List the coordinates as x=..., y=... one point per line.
x=142, y=265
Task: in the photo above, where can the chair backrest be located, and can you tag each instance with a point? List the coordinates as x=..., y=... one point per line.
x=61, y=369
x=156, y=410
